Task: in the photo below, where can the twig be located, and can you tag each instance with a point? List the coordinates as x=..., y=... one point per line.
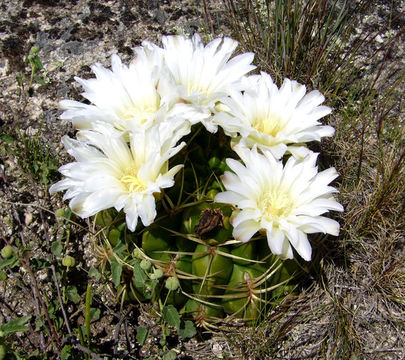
x=87, y=351
x=55, y=280
x=208, y=16
x=118, y=328
x=41, y=300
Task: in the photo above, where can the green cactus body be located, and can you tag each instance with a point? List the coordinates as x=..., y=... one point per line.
x=284, y=274
x=240, y=298
x=154, y=242
x=246, y=251
x=191, y=217
x=113, y=224
x=201, y=313
x=213, y=268
x=216, y=276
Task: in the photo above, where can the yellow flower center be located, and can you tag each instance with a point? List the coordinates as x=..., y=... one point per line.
x=140, y=111
x=132, y=182
x=271, y=124
x=203, y=90
x=276, y=204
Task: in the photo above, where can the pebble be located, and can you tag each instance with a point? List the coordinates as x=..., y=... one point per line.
x=217, y=350
x=28, y=218
x=379, y=39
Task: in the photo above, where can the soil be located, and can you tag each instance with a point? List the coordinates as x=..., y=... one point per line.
x=71, y=36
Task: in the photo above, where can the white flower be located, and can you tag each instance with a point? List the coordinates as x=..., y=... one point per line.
x=285, y=201
x=110, y=173
x=203, y=75
x=273, y=118
x=128, y=94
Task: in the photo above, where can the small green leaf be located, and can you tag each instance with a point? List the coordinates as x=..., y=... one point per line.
x=119, y=249
x=57, y=248
x=38, y=264
x=72, y=295
x=171, y=315
x=7, y=138
x=94, y=273
x=116, y=270
x=189, y=330
x=16, y=325
x=3, y=275
x=94, y=314
x=20, y=78
x=141, y=335
x=8, y=262
x=114, y=236
x=139, y=275
x=170, y=355
x=66, y=352
x=35, y=62
x=38, y=324
x=39, y=80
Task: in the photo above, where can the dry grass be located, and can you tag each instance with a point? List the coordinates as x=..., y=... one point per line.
x=355, y=307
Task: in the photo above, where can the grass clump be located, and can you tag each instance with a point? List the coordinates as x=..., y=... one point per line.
x=33, y=155
x=327, y=45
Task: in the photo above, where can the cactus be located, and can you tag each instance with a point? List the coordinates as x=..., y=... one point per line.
x=188, y=256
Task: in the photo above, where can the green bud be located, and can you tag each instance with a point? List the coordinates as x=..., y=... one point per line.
x=60, y=213
x=7, y=252
x=157, y=274
x=211, y=194
x=172, y=283
x=137, y=254
x=68, y=261
x=215, y=185
x=223, y=166
x=213, y=162
x=145, y=264
x=35, y=49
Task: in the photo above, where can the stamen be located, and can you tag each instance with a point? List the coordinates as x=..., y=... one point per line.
x=133, y=183
x=142, y=112
x=271, y=124
x=276, y=204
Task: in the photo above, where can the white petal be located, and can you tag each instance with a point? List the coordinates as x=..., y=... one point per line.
x=147, y=210
x=244, y=215
x=277, y=242
x=245, y=230
x=318, y=224
x=228, y=197
x=131, y=217
x=300, y=242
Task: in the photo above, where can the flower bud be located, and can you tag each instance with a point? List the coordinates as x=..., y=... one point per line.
x=172, y=283
x=68, y=261
x=157, y=274
x=7, y=252
x=145, y=264
x=137, y=254
x=60, y=214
